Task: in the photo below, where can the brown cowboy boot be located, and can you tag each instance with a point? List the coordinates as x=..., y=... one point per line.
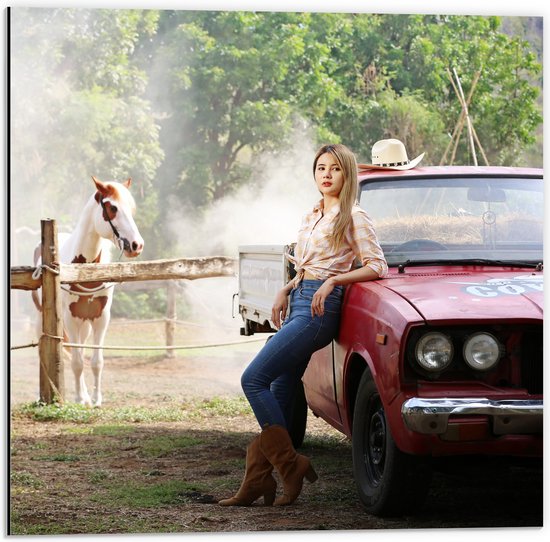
x=276, y=445
x=257, y=481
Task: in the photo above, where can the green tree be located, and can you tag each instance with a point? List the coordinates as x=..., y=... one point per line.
x=504, y=106
x=188, y=102
x=236, y=81
x=398, y=70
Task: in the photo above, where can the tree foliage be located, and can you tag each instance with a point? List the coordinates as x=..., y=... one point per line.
x=189, y=103
x=239, y=80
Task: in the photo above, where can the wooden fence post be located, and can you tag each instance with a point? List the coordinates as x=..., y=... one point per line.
x=170, y=317
x=52, y=382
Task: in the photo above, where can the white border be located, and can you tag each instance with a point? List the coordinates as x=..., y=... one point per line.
x=460, y=7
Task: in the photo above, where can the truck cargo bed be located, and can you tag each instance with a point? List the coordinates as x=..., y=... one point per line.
x=263, y=271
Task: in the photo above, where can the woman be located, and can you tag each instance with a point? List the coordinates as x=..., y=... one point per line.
x=331, y=237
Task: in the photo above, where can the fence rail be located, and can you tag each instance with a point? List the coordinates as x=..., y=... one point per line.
x=51, y=275
x=22, y=277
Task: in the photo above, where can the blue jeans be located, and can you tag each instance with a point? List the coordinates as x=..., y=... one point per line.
x=270, y=381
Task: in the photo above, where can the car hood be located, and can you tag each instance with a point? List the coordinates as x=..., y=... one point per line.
x=468, y=294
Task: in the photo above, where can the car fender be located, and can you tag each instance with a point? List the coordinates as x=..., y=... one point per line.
x=375, y=323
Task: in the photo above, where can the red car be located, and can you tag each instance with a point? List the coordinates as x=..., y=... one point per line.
x=444, y=356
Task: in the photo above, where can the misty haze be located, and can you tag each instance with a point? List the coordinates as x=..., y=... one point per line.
x=216, y=117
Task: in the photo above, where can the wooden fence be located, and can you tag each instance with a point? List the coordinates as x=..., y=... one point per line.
x=53, y=274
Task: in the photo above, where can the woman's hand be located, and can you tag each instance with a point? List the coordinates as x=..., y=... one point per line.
x=280, y=307
x=318, y=300
x=357, y=275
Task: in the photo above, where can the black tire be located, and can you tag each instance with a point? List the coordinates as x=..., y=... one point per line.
x=298, y=422
x=389, y=482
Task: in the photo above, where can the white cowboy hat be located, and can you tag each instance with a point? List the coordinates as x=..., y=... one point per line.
x=390, y=154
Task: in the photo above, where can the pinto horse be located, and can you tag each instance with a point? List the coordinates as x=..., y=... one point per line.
x=107, y=217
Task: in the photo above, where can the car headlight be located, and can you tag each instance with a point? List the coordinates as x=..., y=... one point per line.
x=482, y=351
x=434, y=352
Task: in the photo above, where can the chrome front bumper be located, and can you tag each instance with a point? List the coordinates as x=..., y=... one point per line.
x=431, y=416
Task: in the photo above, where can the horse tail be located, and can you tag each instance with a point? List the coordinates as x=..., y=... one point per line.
x=34, y=294
x=37, y=253
x=36, y=300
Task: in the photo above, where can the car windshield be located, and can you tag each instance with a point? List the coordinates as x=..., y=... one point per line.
x=450, y=219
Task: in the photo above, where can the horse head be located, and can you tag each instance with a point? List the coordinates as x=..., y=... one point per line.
x=116, y=219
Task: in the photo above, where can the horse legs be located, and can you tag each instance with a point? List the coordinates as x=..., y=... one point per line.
x=100, y=330
x=97, y=370
x=77, y=334
x=81, y=391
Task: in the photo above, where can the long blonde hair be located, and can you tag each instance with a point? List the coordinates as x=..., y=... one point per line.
x=348, y=195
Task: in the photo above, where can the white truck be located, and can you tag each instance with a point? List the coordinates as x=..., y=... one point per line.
x=263, y=271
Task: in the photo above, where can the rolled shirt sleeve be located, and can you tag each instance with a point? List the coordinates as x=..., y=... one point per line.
x=315, y=255
x=364, y=243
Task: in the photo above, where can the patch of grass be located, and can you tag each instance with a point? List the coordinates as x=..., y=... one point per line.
x=68, y=412
x=81, y=414
x=79, y=430
x=138, y=414
x=25, y=479
x=66, y=458
x=135, y=495
x=16, y=448
x=99, y=476
x=91, y=524
x=221, y=406
x=113, y=417
x=163, y=445
x=100, y=430
x=111, y=430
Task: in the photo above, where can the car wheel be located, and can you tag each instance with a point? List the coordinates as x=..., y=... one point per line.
x=389, y=482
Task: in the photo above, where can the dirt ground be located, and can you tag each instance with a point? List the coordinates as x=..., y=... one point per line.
x=63, y=470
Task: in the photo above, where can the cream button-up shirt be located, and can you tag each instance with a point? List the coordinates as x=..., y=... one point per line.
x=314, y=254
